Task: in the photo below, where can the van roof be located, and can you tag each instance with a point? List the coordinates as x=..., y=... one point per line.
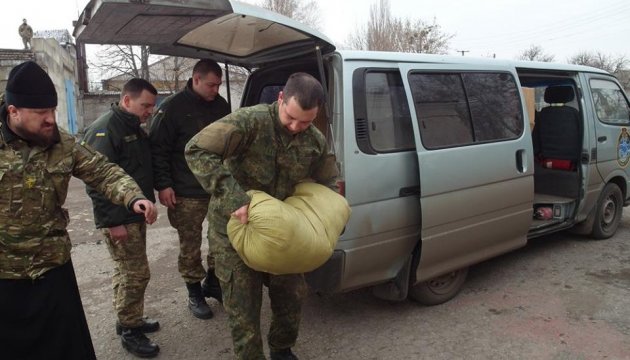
x=354, y=55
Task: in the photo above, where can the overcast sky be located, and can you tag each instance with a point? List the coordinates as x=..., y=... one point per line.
x=481, y=27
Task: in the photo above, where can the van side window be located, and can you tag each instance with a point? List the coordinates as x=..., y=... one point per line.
x=382, y=114
x=463, y=108
x=269, y=94
x=611, y=105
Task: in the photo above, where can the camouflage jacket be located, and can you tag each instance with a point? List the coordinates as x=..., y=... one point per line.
x=33, y=189
x=180, y=117
x=250, y=149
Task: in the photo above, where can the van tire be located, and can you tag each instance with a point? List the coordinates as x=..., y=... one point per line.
x=440, y=289
x=608, y=213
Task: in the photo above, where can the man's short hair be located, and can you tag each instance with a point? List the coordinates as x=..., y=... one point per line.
x=205, y=66
x=307, y=90
x=134, y=88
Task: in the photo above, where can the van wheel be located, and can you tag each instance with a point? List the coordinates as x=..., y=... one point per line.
x=608, y=215
x=440, y=289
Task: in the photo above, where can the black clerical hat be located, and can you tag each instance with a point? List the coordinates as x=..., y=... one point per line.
x=29, y=86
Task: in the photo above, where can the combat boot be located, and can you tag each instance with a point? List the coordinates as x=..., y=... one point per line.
x=148, y=326
x=134, y=341
x=197, y=303
x=284, y=354
x=210, y=286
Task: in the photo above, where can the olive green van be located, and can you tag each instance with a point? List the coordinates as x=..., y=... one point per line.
x=446, y=161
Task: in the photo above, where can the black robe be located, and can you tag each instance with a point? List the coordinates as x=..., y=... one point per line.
x=44, y=318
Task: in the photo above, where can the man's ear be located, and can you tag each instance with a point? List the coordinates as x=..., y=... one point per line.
x=125, y=101
x=280, y=96
x=12, y=110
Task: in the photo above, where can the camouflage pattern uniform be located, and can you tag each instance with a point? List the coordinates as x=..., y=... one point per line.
x=131, y=273
x=33, y=189
x=118, y=135
x=179, y=117
x=26, y=33
x=250, y=149
x=187, y=218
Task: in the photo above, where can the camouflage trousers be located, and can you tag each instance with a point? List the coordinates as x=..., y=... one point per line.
x=187, y=218
x=131, y=273
x=242, y=300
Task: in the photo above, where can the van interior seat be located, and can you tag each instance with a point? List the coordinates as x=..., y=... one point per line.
x=557, y=137
x=557, y=129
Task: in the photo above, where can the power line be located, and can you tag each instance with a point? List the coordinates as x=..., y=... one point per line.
x=617, y=11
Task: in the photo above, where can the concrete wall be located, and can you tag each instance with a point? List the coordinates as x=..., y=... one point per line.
x=60, y=63
x=9, y=58
x=95, y=105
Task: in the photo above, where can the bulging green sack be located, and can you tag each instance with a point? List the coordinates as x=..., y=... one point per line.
x=293, y=236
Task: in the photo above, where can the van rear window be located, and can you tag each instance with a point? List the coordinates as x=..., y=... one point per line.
x=455, y=109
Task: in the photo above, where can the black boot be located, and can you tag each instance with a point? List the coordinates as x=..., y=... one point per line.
x=197, y=303
x=134, y=341
x=148, y=326
x=284, y=354
x=211, y=287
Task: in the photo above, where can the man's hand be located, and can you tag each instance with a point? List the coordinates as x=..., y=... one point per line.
x=118, y=234
x=167, y=197
x=147, y=208
x=242, y=214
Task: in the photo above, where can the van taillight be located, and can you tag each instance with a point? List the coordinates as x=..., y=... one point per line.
x=342, y=187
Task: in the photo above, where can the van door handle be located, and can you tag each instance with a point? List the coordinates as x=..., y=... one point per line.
x=602, y=138
x=409, y=191
x=521, y=161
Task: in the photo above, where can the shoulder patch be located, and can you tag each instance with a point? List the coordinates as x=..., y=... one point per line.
x=85, y=149
x=100, y=133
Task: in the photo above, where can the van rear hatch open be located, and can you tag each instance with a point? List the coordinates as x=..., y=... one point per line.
x=226, y=31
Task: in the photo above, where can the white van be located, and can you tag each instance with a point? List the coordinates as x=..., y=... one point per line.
x=446, y=161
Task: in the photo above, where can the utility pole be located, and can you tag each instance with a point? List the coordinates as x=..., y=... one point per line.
x=463, y=51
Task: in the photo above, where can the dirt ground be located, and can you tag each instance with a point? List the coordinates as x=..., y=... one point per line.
x=561, y=297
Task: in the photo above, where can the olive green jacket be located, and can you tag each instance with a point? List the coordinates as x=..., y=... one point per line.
x=117, y=135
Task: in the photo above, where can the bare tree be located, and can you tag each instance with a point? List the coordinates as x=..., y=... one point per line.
x=306, y=12
x=535, y=53
x=384, y=32
x=418, y=36
x=601, y=61
x=172, y=72
x=131, y=61
x=616, y=65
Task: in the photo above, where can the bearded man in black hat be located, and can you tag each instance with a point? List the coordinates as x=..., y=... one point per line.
x=40, y=307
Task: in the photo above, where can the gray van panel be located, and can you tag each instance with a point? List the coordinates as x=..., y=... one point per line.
x=608, y=138
x=384, y=226
x=476, y=200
